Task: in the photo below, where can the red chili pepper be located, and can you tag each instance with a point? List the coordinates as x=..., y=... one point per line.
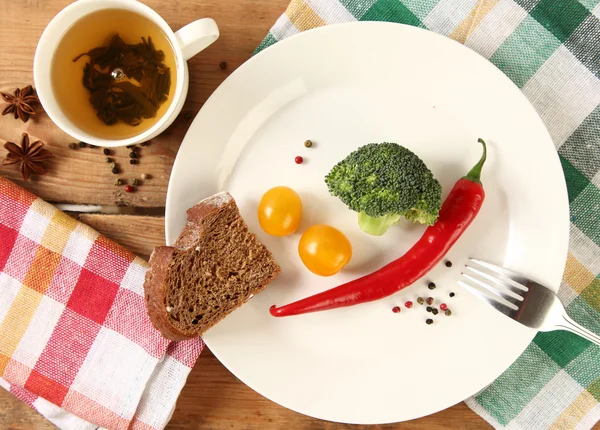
x=457, y=212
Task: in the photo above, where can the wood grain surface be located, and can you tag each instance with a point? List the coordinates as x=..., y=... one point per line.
x=212, y=398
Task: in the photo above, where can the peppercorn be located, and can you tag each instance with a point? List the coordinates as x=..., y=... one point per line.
x=431, y=286
x=308, y=143
x=429, y=321
x=448, y=263
x=144, y=143
x=133, y=161
x=396, y=309
x=420, y=300
x=115, y=170
x=118, y=182
x=451, y=294
x=145, y=176
x=82, y=144
x=447, y=312
x=429, y=300
x=434, y=311
x=129, y=189
x=73, y=145
x=408, y=304
x=108, y=160
x=428, y=308
x=443, y=306
x=133, y=181
x=113, y=165
x=133, y=155
x=299, y=160
x=223, y=65
x=106, y=151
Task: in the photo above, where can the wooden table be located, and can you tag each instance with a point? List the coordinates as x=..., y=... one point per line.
x=213, y=398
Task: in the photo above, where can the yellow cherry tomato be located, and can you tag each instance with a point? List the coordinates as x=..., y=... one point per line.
x=280, y=211
x=324, y=250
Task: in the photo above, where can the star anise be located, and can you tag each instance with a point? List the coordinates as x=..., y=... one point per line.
x=29, y=156
x=20, y=103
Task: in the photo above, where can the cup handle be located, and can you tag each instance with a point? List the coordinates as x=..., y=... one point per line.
x=197, y=36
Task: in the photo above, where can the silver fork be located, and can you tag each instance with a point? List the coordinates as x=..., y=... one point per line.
x=522, y=299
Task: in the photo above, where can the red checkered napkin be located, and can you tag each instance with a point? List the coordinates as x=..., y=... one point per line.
x=75, y=340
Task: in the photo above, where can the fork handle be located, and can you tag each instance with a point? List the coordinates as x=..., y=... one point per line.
x=570, y=325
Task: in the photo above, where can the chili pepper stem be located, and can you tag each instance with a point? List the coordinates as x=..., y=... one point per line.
x=474, y=174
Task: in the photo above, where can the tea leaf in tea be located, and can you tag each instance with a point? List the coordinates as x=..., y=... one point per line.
x=126, y=82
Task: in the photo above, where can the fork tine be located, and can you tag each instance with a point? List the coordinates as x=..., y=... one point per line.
x=494, y=291
x=516, y=291
x=501, y=307
x=517, y=280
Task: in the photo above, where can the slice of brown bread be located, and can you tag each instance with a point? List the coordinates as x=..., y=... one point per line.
x=215, y=266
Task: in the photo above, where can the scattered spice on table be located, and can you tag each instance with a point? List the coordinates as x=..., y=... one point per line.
x=429, y=321
x=429, y=300
x=443, y=306
x=396, y=309
x=434, y=311
x=133, y=155
x=21, y=103
x=115, y=170
x=146, y=143
x=108, y=160
x=447, y=312
x=408, y=304
x=448, y=263
x=420, y=300
x=133, y=161
x=106, y=151
x=73, y=145
x=428, y=308
x=299, y=160
x=223, y=65
x=118, y=182
x=145, y=176
x=451, y=294
x=308, y=143
x=431, y=286
x=134, y=181
x=28, y=156
x=82, y=144
x=129, y=189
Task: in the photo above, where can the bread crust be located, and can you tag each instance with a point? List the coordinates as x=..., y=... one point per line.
x=155, y=293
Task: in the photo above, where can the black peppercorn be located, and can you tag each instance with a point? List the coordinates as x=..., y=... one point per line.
x=431, y=286
x=115, y=170
x=451, y=294
x=133, y=155
x=428, y=308
x=82, y=144
x=73, y=145
x=106, y=151
x=133, y=161
x=223, y=65
x=448, y=263
x=434, y=311
x=108, y=160
x=429, y=321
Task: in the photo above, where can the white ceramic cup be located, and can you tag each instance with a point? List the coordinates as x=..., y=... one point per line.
x=186, y=43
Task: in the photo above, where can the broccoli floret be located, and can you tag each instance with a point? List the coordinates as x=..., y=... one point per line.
x=384, y=182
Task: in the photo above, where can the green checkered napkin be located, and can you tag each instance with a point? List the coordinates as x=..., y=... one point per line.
x=551, y=50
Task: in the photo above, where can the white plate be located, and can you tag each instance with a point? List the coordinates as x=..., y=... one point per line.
x=344, y=86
